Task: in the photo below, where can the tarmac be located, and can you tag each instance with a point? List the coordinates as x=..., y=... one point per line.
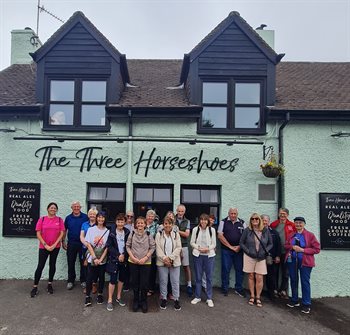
x=64, y=313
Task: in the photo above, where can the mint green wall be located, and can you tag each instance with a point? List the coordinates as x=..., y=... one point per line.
x=318, y=163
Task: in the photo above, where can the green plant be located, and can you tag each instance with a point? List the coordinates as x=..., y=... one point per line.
x=272, y=168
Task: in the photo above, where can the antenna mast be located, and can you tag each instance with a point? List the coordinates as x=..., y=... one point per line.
x=42, y=9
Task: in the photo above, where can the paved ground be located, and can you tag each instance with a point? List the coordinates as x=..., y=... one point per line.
x=64, y=313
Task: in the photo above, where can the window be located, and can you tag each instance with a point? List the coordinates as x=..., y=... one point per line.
x=200, y=199
x=77, y=103
x=266, y=192
x=232, y=106
x=157, y=197
x=107, y=197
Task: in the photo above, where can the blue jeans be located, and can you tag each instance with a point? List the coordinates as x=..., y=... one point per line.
x=296, y=270
x=204, y=264
x=229, y=257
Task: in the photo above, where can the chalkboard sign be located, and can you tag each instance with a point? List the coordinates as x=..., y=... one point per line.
x=21, y=209
x=335, y=220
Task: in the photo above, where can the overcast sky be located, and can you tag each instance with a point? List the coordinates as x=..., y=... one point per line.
x=307, y=30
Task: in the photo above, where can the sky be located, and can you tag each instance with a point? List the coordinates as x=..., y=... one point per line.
x=307, y=30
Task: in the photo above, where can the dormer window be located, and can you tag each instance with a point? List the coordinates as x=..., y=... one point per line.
x=232, y=106
x=78, y=104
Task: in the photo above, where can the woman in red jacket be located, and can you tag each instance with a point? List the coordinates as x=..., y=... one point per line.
x=300, y=250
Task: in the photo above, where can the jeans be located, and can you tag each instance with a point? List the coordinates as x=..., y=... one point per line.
x=296, y=270
x=43, y=255
x=164, y=273
x=74, y=250
x=229, y=258
x=204, y=264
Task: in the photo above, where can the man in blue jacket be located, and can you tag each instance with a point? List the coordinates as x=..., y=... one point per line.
x=229, y=234
x=73, y=223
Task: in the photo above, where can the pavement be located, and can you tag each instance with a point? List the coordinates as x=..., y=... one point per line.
x=64, y=313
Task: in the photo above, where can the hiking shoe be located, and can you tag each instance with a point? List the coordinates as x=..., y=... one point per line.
x=293, y=304
x=195, y=301
x=99, y=299
x=210, y=303
x=109, y=307
x=49, y=289
x=163, y=304
x=70, y=286
x=88, y=301
x=120, y=302
x=34, y=292
x=241, y=293
x=177, y=306
x=189, y=291
x=306, y=309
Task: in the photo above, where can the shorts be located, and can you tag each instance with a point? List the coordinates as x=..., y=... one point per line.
x=119, y=275
x=252, y=265
x=185, y=260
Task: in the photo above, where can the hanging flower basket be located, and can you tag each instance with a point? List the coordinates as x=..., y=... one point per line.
x=272, y=169
x=271, y=172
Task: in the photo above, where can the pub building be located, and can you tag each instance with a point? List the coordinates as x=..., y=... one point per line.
x=80, y=121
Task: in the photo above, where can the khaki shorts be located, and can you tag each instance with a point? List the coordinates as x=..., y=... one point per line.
x=251, y=265
x=185, y=260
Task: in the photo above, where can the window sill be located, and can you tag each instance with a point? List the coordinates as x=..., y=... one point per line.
x=261, y=131
x=106, y=128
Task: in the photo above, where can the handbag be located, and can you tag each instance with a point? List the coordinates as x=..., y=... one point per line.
x=87, y=253
x=269, y=259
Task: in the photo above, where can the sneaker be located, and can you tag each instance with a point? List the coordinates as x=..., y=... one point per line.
x=293, y=304
x=34, y=292
x=88, y=301
x=177, y=306
x=163, y=304
x=83, y=284
x=189, y=291
x=70, y=286
x=109, y=307
x=306, y=309
x=195, y=301
x=120, y=302
x=210, y=303
x=241, y=293
x=49, y=289
x=94, y=288
x=99, y=299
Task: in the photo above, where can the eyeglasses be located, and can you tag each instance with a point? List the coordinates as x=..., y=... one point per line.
x=253, y=219
x=130, y=216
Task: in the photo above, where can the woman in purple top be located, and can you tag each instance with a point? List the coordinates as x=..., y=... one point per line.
x=49, y=231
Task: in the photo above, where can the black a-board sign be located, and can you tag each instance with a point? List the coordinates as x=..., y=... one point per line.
x=335, y=220
x=21, y=209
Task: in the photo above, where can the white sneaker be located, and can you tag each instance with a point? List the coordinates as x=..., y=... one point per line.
x=210, y=303
x=195, y=301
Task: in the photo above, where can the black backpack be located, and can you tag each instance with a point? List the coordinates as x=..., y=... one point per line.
x=197, y=233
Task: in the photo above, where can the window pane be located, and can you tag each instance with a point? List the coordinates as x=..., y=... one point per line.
x=214, y=117
x=266, y=192
x=144, y=194
x=162, y=195
x=62, y=90
x=114, y=193
x=191, y=196
x=209, y=196
x=94, y=91
x=215, y=93
x=247, y=117
x=97, y=193
x=93, y=115
x=247, y=93
x=61, y=114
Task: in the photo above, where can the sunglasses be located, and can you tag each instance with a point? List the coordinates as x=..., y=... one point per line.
x=129, y=216
x=254, y=219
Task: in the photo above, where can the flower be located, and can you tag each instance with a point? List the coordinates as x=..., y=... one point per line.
x=272, y=168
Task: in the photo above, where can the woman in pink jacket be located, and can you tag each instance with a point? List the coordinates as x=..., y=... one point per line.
x=300, y=250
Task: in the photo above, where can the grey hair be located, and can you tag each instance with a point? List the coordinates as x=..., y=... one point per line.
x=265, y=216
x=75, y=202
x=151, y=212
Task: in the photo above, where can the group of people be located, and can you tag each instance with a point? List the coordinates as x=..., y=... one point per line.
x=134, y=251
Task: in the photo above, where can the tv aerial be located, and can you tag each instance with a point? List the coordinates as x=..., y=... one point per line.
x=41, y=9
